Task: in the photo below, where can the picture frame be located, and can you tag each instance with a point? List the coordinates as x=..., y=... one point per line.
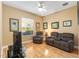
x=37, y=25
x=45, y=25
x=55, y=25
x=67, y=23
x=13, y=24
x=78, y=11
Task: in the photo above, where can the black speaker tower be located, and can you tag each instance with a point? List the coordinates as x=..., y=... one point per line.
x=15, y=50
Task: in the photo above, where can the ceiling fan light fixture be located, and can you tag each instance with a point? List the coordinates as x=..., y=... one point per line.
x=41, y=7
x=42, y=10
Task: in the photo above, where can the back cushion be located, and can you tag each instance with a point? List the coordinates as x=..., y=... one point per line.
x=39, y=33
x=70, y=35
x=67, y=36
x=54, y=34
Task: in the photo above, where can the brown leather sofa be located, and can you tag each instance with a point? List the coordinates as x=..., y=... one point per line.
x=64, y=41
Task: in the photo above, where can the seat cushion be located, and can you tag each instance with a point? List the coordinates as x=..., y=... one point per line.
x=57, y=43
x=66, y=39
x=61, y=44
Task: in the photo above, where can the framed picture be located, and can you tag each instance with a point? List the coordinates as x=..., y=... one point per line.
x=14, y=24
x=78, y=11
x=37, y=25
x=45, y=25
x=67, y=23
x=55, y=25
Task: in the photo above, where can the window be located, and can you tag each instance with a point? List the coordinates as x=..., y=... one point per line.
x=27, y=26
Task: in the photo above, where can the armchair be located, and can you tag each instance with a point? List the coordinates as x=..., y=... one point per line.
x=38, y=38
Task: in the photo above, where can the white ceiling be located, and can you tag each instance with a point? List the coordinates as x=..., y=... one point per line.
x=31, y=6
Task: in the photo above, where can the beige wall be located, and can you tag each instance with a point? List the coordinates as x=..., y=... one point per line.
x=0, y=26
x=78, y=35
x=78, y=24
x=67, y=14
x=10, y=12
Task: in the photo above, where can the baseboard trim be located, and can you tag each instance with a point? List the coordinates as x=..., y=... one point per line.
x=27, y=41
x=22, y=43
x=77, y=47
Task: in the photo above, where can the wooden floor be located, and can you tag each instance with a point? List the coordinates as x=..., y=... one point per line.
x=44, y=51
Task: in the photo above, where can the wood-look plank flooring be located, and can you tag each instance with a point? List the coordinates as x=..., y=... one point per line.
x=43, y=50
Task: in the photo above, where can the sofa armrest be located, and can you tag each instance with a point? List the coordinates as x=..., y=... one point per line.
x=70, y=41
x=71, y=44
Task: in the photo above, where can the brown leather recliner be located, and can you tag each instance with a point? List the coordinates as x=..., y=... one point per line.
x=38, y=38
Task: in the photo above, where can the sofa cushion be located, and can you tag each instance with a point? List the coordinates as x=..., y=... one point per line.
x=70, y=35
x=54, y=34
x=39, y=33
x=66, y=39
x=58, y=37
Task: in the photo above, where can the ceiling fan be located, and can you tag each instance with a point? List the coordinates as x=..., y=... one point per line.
x=41, y=7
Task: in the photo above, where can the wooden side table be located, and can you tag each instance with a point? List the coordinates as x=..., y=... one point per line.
x=45, y=35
